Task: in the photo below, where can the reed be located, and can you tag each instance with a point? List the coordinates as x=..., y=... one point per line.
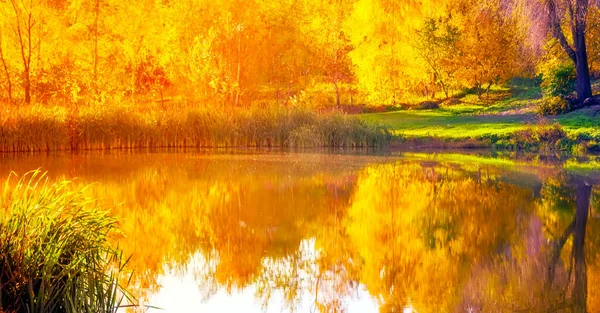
x=40, y=128
x=55, y=254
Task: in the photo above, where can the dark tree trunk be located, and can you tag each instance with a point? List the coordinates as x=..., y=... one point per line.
x=576, y=52
x=445, y=89
x=487, y=90
x=584, y=87
x=479, y=88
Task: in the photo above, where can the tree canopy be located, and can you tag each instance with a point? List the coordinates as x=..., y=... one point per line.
x=236, y=52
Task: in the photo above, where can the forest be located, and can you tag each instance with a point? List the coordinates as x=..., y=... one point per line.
x=244, y=53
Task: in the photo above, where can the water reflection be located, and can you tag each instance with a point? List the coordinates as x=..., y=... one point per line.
x=324, y=233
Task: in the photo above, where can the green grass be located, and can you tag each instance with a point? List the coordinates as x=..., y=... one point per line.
x=584, y=123
x=55, y=254
x=503, y=116
x=446, y=124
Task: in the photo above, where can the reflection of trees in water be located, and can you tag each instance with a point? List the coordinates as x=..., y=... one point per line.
x=236, y=221
x=450, y=240
x=419, y=229
x=547, y=270
x=434, y=236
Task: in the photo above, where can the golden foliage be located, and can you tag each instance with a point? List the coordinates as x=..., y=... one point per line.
x=76, y=52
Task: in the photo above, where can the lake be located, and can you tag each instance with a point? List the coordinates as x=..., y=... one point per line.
x=274, y=231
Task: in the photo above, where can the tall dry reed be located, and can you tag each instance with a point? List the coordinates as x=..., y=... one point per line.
x=39, y=128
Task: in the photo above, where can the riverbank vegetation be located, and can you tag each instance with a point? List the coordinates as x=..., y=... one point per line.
x=55, y=252
x=38, y=128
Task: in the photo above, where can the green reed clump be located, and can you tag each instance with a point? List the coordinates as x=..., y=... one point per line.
x=24, y=129
x=55, y=254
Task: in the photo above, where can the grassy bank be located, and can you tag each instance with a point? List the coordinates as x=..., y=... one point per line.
x=507, y=121
x=55, y=255
x=43, y=128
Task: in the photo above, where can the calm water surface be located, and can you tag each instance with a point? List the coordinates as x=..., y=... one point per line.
x=290, y=232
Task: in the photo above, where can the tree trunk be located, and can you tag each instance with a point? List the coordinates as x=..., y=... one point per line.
x=162, y=100
x=445, y=89
x=96, y=13
x=337, y=94
x=28, y=63
x=27, y=85
x=584, y=87
x=9, y=81
x=239, y=68
x=578, y=52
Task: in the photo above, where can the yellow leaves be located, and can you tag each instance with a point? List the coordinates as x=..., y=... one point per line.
x=229, y=51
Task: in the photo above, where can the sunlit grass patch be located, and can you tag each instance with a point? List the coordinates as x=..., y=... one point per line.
x=502, y=123
x=55, y=253
x=447, y=125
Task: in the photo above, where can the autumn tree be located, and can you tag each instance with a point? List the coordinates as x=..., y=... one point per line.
x=593, y=40
x=382, y=34
x=40, y=52
x=151, y=78
x=289, y=62
x=438, y=46
x=332, y=43
x=6, y=70
x=488, y=47
x=574, y=14
x=26, y=21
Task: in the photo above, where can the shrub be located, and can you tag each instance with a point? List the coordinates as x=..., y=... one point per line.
x=54, y=250
x=558, y=80
x=554, y=105
x=549, y=133
x=543, y=136
x=427, y=105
